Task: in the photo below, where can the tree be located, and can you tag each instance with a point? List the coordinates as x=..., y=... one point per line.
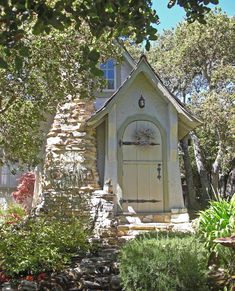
x=197, y=61
x=133, y=18
x=32, y=31
x=119, y=18
x=195, y=10
x=102, y=20
x=50, y=50
x=52, y=73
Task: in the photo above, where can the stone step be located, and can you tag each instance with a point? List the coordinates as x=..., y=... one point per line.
x=166, y=217
x=130, y=231
x=130, y=217
x=145, y=226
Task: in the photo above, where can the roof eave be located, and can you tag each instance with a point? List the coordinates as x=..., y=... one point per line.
x=186, y=124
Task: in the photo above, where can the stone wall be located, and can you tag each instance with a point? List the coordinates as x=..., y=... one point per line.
x=71, y=148
x=69, y=174
x=70, y=178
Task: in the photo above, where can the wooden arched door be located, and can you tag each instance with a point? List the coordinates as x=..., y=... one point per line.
x=142, y=167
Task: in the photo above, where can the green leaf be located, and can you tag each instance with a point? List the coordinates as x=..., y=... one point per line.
x=3, y=64
x=56, y=23
x=24, y=51
x=18, y=63
x=153, y=37
x=171, y=3
x=215, y=2
x=109, y=8
x=94, y=55
x=147, y=46
x=97, y=72
x=38, y=27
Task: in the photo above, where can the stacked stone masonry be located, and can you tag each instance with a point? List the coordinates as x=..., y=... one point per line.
x=70, y=177
x=71, y=149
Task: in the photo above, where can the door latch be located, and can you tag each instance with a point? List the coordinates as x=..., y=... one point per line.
x=159, y=171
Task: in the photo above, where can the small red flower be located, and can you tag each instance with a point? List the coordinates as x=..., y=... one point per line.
x=29, y=278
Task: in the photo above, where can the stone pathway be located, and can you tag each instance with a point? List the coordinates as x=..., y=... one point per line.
x=97, y=271
x=100, y=271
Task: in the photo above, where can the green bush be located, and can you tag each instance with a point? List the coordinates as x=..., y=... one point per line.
x=217, y=221
x=39, y=245
x=13, y=214
x=165, y=263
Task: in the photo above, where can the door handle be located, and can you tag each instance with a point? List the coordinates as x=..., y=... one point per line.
x=159, y=168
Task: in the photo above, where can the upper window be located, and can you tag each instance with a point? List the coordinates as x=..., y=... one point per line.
x=109, y=74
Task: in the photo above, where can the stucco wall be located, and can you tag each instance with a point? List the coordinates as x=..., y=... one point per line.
x=160, y=112
x=128, y=103
x=100, y=133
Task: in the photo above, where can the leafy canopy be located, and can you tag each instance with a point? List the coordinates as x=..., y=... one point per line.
x=59, y=67
x=111, y=18
x=132, y=18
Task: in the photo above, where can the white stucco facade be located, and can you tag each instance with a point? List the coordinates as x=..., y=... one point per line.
x=162, y=110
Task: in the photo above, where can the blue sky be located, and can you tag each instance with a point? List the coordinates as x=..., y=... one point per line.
x=170, y=17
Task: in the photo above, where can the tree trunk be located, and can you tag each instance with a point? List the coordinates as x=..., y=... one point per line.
x=191, y=195
x=215, y=170
x=230, y=186
x=205, y=183
x=229, y=181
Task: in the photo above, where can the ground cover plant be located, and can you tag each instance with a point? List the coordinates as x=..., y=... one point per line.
x=32, y=246
x=164, y=261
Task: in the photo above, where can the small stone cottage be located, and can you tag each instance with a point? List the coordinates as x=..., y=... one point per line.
x=121, y=151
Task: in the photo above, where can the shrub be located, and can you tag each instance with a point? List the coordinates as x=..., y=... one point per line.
x=39, y=245
x=162, y=262
x=217, y=221
x=12, y=215
x=25, y=189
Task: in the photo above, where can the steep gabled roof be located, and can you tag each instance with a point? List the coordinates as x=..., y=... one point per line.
x=187, y=121
x=128, y=57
